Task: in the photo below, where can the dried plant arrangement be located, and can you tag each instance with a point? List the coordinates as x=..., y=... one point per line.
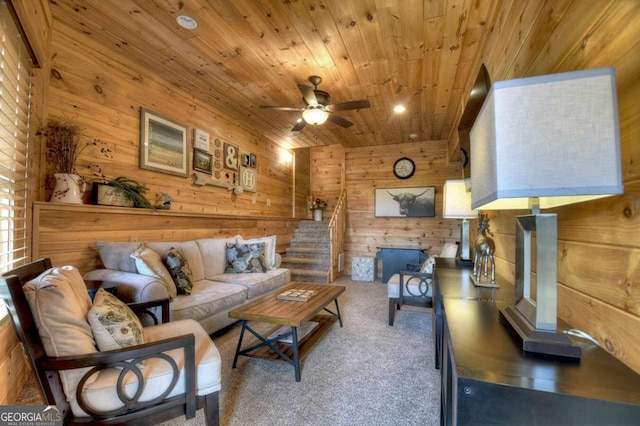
x=64, y=144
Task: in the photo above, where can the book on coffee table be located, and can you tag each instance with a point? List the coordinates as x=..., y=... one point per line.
x=296, y=295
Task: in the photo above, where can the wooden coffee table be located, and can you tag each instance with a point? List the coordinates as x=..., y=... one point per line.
x=287, y=313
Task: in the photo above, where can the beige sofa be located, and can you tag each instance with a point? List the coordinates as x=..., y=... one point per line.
x=214, y=292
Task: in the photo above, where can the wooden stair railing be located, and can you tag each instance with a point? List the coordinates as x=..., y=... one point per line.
x=337, y=226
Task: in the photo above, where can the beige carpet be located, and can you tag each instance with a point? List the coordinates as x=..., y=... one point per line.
x=365, y=373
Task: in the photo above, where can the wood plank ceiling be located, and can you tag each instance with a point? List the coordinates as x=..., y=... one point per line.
x=246, y=53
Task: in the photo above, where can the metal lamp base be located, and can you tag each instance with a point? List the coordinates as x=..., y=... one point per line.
x=537, y=341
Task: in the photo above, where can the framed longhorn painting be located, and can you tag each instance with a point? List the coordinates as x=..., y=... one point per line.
x=405, y=202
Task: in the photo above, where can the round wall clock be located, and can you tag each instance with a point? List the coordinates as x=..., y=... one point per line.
x=404, y=168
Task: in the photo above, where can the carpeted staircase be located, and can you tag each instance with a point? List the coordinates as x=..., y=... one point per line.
x=309, y=257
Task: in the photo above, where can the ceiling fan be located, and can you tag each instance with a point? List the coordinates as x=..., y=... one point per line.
x=318, y=108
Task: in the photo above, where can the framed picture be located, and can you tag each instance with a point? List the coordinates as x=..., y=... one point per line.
x=405, y=202
x=253, y=161
x=201, y=140
x=230, y=154
x=202, y=161
x=163, y=144
x=245, y=160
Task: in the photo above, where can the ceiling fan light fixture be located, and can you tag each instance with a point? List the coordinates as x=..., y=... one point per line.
x=315, y=116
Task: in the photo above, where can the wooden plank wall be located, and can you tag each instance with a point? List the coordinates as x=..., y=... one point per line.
x=103, y=93
x=35, y=18
x=361, y=170
x=598, y=248
x=67, y=233
x=327, y=174
x=302, y=176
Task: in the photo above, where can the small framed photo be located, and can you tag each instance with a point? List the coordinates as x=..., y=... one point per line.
x=245, y=160
x=202, y=161
x=405, y=202
x=253, y=160
x=201, y=140
x=163, y=144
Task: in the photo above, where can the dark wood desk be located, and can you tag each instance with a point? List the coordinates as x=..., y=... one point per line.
x=396, y=259
x=488, y=379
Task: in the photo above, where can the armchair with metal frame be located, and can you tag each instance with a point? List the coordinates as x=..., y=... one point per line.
x=124, y=375
x=413, y=288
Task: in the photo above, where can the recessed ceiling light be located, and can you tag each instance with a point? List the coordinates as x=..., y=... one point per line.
x=186, y=22
x=413, y=136
x=399, y=109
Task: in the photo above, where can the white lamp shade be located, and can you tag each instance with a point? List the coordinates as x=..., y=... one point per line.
x=554, y=137
x=315, y=116
x=457, y=201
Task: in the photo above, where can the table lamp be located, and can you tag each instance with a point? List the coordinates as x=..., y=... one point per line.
x=457, y=205
x=544, y=142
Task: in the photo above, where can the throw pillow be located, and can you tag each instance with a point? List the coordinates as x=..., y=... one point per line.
x=179, y=269
x=245, y=258
x=59, y=302
x=269, y=249
x=148, y=263
x=116, y=255
x=427, y=266
x=113, y=323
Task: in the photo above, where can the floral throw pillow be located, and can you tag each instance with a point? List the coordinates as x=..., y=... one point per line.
x=179, y=269
x=245, y=258
x=114, y=325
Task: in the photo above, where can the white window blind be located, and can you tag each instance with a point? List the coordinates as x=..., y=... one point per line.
x=15, y=69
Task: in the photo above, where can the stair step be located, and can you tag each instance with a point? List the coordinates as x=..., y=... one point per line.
x=308, y=260
x=310, y=250
x=309, y=272
x=310, y=244
x=308, y=257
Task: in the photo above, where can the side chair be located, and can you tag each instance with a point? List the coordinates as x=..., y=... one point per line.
x=409, y=288
x=175, y=372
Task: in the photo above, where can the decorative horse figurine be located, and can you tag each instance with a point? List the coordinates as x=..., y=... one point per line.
x=484, y=247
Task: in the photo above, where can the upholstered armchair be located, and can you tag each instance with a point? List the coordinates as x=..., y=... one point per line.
x=412, y=288
x=94, y=360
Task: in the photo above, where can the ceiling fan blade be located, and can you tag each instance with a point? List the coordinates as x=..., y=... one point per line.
x=299, y=126
x=336, y=119
x=308, y=94
x=344, y=106
x=280, y=108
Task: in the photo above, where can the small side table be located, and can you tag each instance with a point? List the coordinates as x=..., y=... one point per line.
x=364, y=268
x=94, y=285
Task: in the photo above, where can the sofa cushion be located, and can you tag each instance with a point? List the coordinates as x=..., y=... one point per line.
x=257, y=284
x=59, y=302
x=207, y=298
x=214, y=257
x=116, y=256
x=269, y=249
x=189, y=249
x=101, y=394
x=245, y=258
x=113, y=323
x=179, y=269
x=148, y=262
